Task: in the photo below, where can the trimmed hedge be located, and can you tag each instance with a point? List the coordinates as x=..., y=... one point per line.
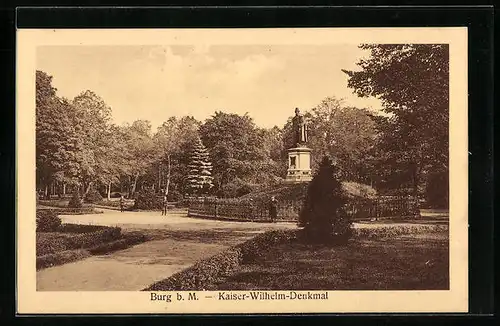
x=72, y=211
x=256, y=247
x=201, y=274
x=397, y=230
x=206, y=272
x=81, y=228
x=89, y=240
x=60, y=258
x=130, y=239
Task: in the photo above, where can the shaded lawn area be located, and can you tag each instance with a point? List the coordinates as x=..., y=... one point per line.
x=402, y=263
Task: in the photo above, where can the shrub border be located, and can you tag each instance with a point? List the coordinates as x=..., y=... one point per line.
x=205, y=272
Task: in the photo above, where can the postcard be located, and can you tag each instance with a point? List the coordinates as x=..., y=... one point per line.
x=224, y=171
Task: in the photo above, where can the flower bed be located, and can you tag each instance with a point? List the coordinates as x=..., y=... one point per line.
x=71, y=242
x=52, y=242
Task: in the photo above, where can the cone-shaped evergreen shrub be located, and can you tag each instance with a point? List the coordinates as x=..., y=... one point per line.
x=76, y=201
x=93, y=196
x=323, y=216
x=200, y=179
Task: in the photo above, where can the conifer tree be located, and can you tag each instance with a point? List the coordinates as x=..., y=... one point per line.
x=200, y=179
x=323, y=215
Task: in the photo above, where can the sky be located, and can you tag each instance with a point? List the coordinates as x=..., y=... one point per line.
x=156, y=82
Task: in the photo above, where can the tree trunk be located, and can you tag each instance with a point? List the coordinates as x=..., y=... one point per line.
x=159, y=178
x=87, y=189
x=168, y=175
x=46, y=192
x=415, y=179
x=64, y=189
x=134, y=186
x=129, y=188
x=109, y=191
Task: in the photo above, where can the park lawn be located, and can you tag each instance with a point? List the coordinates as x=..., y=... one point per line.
x=403, y=263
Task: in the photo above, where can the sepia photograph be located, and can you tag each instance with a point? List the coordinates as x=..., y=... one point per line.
x=244, y=169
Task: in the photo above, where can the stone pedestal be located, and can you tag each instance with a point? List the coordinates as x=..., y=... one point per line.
x=299, y=165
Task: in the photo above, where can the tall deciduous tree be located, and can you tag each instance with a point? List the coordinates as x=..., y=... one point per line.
x=56, y=136
x=412, y=82
x=173, y=140
x=138, y=137
x=92, y=121
x=236, y=144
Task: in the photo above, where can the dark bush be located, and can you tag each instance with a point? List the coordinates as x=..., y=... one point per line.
x=60, y=258
x=323, y=216
x=75, y=201
x=236, y=188
x=93, y=196
x=47, y=221
x=174, y=196
x=437, y=192
x=148, y=200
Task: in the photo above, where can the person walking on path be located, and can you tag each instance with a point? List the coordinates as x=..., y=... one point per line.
x=122, y=203
x=273, y=209
x=164, y=205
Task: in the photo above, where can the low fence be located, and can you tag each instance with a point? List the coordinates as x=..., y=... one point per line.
x=357, y=209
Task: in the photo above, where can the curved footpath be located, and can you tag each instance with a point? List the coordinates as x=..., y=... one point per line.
x=176, y=242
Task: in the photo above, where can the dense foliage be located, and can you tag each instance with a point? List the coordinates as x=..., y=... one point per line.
x=412, y=82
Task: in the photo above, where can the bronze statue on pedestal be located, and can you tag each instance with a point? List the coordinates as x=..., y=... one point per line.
x=299, y=129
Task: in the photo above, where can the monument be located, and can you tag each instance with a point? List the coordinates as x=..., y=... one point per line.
x=299, y=155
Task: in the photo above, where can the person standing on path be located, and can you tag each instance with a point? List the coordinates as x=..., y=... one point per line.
x=164, y=205
x=122, y=203
x=273, y=209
